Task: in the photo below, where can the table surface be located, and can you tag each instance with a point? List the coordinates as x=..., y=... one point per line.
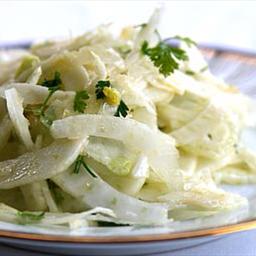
x=238, y=244
x=219, y=22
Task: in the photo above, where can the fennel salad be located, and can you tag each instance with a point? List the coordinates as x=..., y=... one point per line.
x=119, y=130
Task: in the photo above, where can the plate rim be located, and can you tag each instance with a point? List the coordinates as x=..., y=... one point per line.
x=164, y=237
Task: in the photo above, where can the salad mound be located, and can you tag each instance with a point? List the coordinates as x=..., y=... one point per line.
x=126, y=129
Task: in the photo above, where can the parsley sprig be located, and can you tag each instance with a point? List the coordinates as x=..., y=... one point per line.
x=52, y=85
x=25, y=217
x=80, y=101
x=100, y=87
x=55, y=190
x=122, y=109
x=164, y=56
x=80, y=162
x=39, y=110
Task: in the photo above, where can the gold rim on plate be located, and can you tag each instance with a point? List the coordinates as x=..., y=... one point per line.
x=243, y=226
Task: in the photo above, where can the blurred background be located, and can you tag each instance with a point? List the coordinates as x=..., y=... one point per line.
x=228, y=23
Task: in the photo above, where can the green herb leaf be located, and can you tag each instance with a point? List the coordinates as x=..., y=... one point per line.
x=80, y=101
x=110, y=224
x=99, y=88
x=164, y=56
x=26, y=217
x=142, y=25
x=55, y=190
x=48, y=117
x=80, y=162
x=39, y=110
x=190, y=72
x=46, y=120
x=54, y=84
x=33, y=109
x=122, y=109
x=209, y=136
x=186, y=40
x=124, y=50
x=158, y=35
x=203, y=69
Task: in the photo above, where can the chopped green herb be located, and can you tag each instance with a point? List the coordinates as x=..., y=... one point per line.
x=48, y=117
x=113, y=201
x=25, y=217
x=203, y=69
x=110, y=224
x=39, y=110
x=209, y=136
x=164, y=56
x=142, y=25
x=46, y=120
x=54, y=84
x=190, y=72
x=80, y=101
x=186, y=40
x=158, y=35
x=56, y=192
x=100, y=87
x=33, y=109
x=141, y=226
x=122, y=109
x=80, y=162
x=124, y=50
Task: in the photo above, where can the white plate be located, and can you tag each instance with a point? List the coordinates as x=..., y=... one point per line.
x=237, y=68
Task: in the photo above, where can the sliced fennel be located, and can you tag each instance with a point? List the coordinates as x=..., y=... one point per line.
x=190, y=196
x=33, y=166
x=213, y=133
x=184, y=133
x=49, y=199
x=20, y=123
x=112, y=154
x=5, y=131
x=159, y=148
x=34, y=197
x=130, y=184
x=73, y=220
x=94, y=191
x=73, y=75
x=28, y=69
x=33, y=94
x=234, y=175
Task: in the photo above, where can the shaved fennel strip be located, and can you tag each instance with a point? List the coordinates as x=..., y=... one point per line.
x=40, y=164
x=33, y=94
x=52, y=206
x=159, y=149
x=34, y=197
x=5, y=131
x=10, y=214
x=94, y=191
x=20, y=123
